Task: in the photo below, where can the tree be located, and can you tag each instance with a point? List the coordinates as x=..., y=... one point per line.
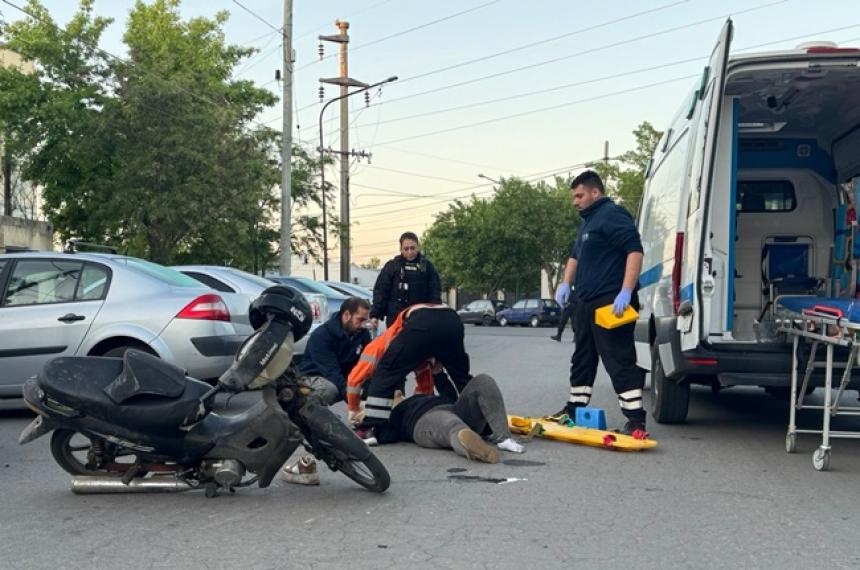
x=625, y=178
x=157, y=154
x=503, y=243
x=374, y=263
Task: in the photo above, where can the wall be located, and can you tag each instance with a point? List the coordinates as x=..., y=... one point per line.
x=25, y=233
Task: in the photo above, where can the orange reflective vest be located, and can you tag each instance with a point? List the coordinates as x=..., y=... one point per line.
x=370, y=357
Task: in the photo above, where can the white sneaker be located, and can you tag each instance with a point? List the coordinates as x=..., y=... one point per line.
x=302, y=472
x=511, y=445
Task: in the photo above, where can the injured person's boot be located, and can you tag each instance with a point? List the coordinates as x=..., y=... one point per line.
x=475, y=448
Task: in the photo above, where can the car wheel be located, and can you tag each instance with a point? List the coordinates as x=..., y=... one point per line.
x=503, y=321
x=119, y=351
x=670, y=400
x=534, y=322
x=486, y=320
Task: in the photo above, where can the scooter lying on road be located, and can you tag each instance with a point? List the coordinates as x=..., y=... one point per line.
x=144, y=426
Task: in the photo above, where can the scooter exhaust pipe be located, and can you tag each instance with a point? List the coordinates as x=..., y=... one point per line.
x=95, y=485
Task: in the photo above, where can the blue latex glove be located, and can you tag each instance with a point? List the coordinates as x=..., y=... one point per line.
x=622, y=301
x=562, y=293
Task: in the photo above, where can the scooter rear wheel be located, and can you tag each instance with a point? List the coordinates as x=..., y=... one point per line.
x=70, y=449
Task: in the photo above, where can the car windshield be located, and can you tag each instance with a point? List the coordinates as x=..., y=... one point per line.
x=164, y=274
x=250, y=277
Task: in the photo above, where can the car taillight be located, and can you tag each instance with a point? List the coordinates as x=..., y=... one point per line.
x=676, y=272
x=316, y=311
x=208, y=307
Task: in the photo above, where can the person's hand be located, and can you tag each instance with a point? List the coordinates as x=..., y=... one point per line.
x=562, y=293
x=622, y=301
x=374, y=323
x=355, y=418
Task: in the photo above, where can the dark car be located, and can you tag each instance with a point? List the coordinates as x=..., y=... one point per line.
x=481, y=312
x=533, y=312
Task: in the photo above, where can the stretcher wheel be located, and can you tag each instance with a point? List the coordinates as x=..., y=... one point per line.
x=821, y=459
x=790, y=442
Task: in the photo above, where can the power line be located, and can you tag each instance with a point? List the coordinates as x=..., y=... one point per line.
x=350, y=15
x=404, y=32
x=245, y=8
x=581, y=53
x=594, y=80
x=539, y=110
x=529, y=178
x=544, y=41
x=418, y=174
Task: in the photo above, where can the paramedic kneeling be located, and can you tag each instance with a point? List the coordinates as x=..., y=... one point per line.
x=606, y=261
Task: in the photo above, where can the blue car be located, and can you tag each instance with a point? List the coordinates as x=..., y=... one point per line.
x=532, y=312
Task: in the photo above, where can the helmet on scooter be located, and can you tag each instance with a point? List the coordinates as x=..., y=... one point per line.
x=285, y=304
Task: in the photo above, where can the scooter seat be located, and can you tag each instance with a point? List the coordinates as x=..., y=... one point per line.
x=134, y=392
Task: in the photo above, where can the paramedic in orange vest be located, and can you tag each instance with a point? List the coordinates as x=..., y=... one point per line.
x=430, y=330
x=606, y=261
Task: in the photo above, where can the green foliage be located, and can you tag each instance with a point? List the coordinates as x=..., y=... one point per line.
x=157, y=154
x=625, y=178
x=503, y=243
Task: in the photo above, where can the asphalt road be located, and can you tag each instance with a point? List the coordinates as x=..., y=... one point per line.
x=718, y=492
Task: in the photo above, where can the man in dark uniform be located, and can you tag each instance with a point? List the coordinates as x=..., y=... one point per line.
x=334, y=348
x=606, y=261
x=567, y=313
x=405, y=280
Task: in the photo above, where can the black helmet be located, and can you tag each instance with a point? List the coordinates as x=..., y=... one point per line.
x=286, y=304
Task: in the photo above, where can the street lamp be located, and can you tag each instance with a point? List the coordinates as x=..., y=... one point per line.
x=490, y=179
x=349, y=83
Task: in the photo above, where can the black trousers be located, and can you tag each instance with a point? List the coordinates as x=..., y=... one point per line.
x=616, y=349
x=427, y=333
x=567, y=313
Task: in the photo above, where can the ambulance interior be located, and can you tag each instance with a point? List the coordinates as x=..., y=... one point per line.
x=795, y=161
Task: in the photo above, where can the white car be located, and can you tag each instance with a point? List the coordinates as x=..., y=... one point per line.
x=239, y=288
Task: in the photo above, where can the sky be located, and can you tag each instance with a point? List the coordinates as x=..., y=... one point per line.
x=554, y=80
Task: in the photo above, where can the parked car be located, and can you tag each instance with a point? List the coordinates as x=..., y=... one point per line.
x=239, y=288
x=533, y=312
x=76, y=304
x=351, y=289
x=749, y=196
x=481, y=312
x=334, y=298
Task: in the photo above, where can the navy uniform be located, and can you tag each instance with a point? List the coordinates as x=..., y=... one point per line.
x=403, y=283
x=607, y=236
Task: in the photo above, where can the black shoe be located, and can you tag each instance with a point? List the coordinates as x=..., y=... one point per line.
x=635, y=429
x=556, y=338
x=568, y=412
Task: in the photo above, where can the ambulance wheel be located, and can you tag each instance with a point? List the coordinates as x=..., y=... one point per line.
x=670, y=400
x=821, y=459
x=503, y=321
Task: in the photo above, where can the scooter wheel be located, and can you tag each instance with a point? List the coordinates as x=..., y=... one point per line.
x=70, y=449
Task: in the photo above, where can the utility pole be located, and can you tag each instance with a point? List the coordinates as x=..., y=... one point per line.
x=606, y=152
x=344, y=157
x=284, y=265
x=7, y=183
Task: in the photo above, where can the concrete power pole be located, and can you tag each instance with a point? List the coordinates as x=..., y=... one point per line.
x=344, y=155
x=284, y=265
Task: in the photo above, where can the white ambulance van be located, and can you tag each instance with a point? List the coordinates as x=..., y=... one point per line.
x=750, y=195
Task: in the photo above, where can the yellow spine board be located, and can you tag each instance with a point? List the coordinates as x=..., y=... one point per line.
x=584, y=436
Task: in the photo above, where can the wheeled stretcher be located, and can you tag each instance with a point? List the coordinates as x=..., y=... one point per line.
x=835, y=325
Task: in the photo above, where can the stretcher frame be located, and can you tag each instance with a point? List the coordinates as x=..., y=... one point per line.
x=831, y=331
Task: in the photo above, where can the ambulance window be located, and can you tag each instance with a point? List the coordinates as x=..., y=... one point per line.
x=760, y=196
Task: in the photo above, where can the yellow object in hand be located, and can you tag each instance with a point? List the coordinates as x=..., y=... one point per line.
x=606, y=319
